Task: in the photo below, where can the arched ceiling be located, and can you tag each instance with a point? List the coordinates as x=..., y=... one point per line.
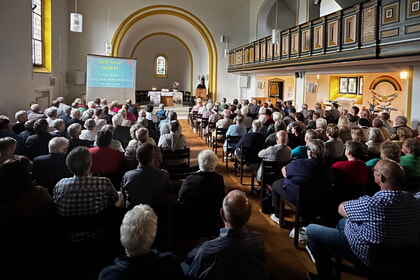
x=162, y=19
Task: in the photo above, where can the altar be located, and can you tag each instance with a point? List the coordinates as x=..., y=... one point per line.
x=167, y=98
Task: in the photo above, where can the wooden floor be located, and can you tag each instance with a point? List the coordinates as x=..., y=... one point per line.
x=284, y=261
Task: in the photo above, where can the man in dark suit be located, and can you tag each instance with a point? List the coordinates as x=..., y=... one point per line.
x=49, y=169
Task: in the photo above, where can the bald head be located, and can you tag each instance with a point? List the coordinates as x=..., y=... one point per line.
x=389, y=175
x=281, y=137
x=236, y=209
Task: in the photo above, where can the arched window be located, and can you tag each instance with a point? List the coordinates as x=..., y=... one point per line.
x=161, y=66
x=41, y=35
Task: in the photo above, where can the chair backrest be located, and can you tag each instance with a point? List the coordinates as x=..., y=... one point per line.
x=169, y=156
x=204, y=122
x=271, y=171
x=232, y=139
x=389, y=262
x=249, y=154
x=221, y=133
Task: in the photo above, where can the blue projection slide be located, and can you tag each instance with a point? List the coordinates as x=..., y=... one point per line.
x=110, y=72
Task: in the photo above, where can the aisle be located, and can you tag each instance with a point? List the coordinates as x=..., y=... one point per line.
x=284, y=261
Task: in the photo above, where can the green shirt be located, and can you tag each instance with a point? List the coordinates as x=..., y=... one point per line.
x=411, y=165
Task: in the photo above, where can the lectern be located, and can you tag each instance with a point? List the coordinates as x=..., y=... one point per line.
x=201, y=93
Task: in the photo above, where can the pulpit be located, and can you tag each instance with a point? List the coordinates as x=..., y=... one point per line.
x=201, y=93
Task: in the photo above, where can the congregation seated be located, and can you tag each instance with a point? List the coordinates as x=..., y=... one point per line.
x=59, y=129
x=89, y=133
x=280, y=152
x=300, y=152
x=37, y=144
x=7, y=149
x=139, y=136
x=410, y=161
x=237, y=253
x=150, y=185
x=311, y=174
x=121, y=132
x=49, y=169
x=374, y=142
x=86, y=188
x=164, y=125
x=251, y=139
x=7, y=131
x=235, y=129
x=74, y=131
x=199, y=199
x=106, y=161
x=389, y=217
x=26, y=222
x=21, y=117
x=138, y=230
x=173, y=141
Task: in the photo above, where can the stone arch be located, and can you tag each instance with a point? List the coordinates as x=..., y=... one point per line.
x=185, y=26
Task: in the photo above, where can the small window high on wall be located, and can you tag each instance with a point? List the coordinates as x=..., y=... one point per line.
x=41, y=36
x=37, y=33
x=161, y=66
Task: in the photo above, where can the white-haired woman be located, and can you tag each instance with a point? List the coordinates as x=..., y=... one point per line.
x=200, y=198
x=137, y=235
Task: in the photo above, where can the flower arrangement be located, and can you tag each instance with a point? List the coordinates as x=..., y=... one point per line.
x=175, y=85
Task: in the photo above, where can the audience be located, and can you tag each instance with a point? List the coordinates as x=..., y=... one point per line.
x=138, y=231
x=74, y=196
x=200, y=197
x=388, y=217
x=49, y=169
x=74, y=131
x=7, y=148
x=21, y=117
x=311, y=174
x=279, y=152
x=237, y=253
x=37, y=144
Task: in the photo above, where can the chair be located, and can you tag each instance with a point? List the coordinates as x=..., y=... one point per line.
x=203, y=124
x=192, y=118
x=218, y=137
x=231, y=140
x=197, y=122
x=211, y=126
x=270, y=172
x=309, y=207
x=387, y=263
x=248, y=156
x=177, y=163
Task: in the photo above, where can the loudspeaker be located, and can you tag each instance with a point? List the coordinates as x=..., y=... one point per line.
x=298, y=75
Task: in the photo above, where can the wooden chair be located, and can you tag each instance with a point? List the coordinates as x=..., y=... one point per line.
x=387, y=263
x=211, y=126
x=249, y=155
x=218, y=138
x=231, y=140
x=192, y=118
x=309, y=207
x=177, y=171
x=203, y=124
x=270, y=172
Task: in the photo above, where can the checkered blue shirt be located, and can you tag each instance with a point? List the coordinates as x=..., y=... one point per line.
x=84, y=195
x=388, y=217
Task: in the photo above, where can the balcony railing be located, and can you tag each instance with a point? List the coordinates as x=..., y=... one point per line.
x=372, y=30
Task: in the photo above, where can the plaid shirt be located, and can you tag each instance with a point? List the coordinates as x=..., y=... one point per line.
x=84, y=195
x=388, y=217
